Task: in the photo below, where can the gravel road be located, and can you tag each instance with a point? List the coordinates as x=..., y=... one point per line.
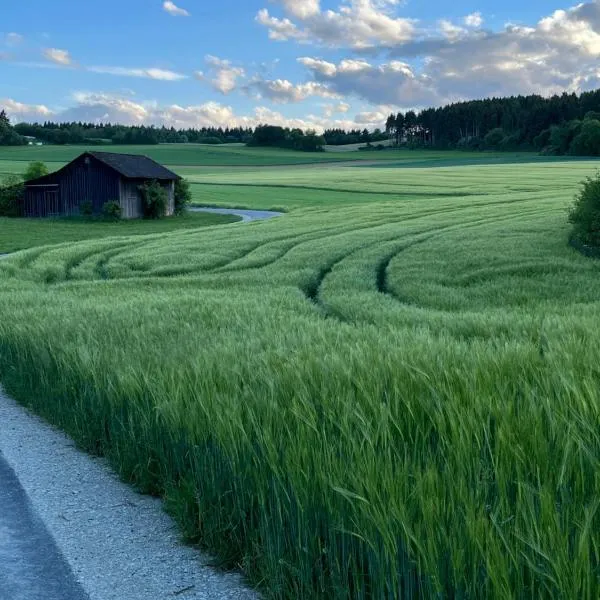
x=70, y=530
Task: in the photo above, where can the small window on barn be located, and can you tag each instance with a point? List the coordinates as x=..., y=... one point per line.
x=87, y=161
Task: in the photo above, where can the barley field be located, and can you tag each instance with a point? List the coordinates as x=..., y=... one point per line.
x=391, y=392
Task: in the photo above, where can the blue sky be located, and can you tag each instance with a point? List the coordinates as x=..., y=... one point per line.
x=310, y=63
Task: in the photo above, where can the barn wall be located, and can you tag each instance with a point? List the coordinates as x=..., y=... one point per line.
x=42, y=201
x=93, y=182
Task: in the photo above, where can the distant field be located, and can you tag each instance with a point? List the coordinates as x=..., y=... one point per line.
x=174, y=154
x=203, y=156
x=17, y=234
x=355, y=147
x=293, y=188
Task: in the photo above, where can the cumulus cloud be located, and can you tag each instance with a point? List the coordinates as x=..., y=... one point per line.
x=127, y=109
x=174, y=10
x=356, y=23
x=560, y=53
x=17, y=111
x=222, y=74
x=57, y=56
x=394, y=82
x=283, y=91
x=474, y=20
x=373, y=117
x=331, y=109
x=450, y=31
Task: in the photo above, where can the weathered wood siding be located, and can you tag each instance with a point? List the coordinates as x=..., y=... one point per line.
x=88, y=181
x=42, y=201
x=131, y=199
x=170, y=187
x=84, y=180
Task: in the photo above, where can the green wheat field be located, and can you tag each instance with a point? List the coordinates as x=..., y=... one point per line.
x=391, y=392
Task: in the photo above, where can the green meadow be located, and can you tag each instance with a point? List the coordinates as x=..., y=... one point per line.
x=390, y=392
x=19, y=234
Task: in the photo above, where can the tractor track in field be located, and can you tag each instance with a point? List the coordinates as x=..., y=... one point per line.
x=382, y=268
x=332, y=232
x=312, y=290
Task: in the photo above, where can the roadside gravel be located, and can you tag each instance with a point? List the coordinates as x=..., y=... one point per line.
x=67, y=521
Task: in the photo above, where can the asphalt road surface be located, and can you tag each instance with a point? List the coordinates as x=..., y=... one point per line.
x=31, y=565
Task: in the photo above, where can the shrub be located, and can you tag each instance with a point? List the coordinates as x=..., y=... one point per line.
x=35, y=170
x=511, y=142
x=183, y=195
x=494, y=138
x=210, y=140
x=587, y=142
x=585, y=212
x=542, y=140
x=562, y=135
x=470, y=143
x=86, y=208
x=154, y=200
x=12, y=191
x=111, y=210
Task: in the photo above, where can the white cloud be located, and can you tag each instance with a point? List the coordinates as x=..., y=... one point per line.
x=356, y=23
x=116, y=108
x=280, y=30
x=284, y=91
x=60, y=57
x=152, y=73
x=174, y=10
x=302, y=8
x=450, y=31
x=375, y=118
x=474, y=20
x=331, y=109
x=17, y=111
x=222, y=75
x=317, y=64
x=560, y=53
x=577, y=27
x=393, y=82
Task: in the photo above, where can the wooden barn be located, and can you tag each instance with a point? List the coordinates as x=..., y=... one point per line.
x=96, y=178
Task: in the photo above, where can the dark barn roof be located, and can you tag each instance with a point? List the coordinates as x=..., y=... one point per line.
x=134, y=166
x=130, y=166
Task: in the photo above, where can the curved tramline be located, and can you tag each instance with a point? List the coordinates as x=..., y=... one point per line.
x=382, y=399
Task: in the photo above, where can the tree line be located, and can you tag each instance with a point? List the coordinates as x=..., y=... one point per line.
x=98, y=134
x=561, y=124
x=273, y=136
x=108, y=133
